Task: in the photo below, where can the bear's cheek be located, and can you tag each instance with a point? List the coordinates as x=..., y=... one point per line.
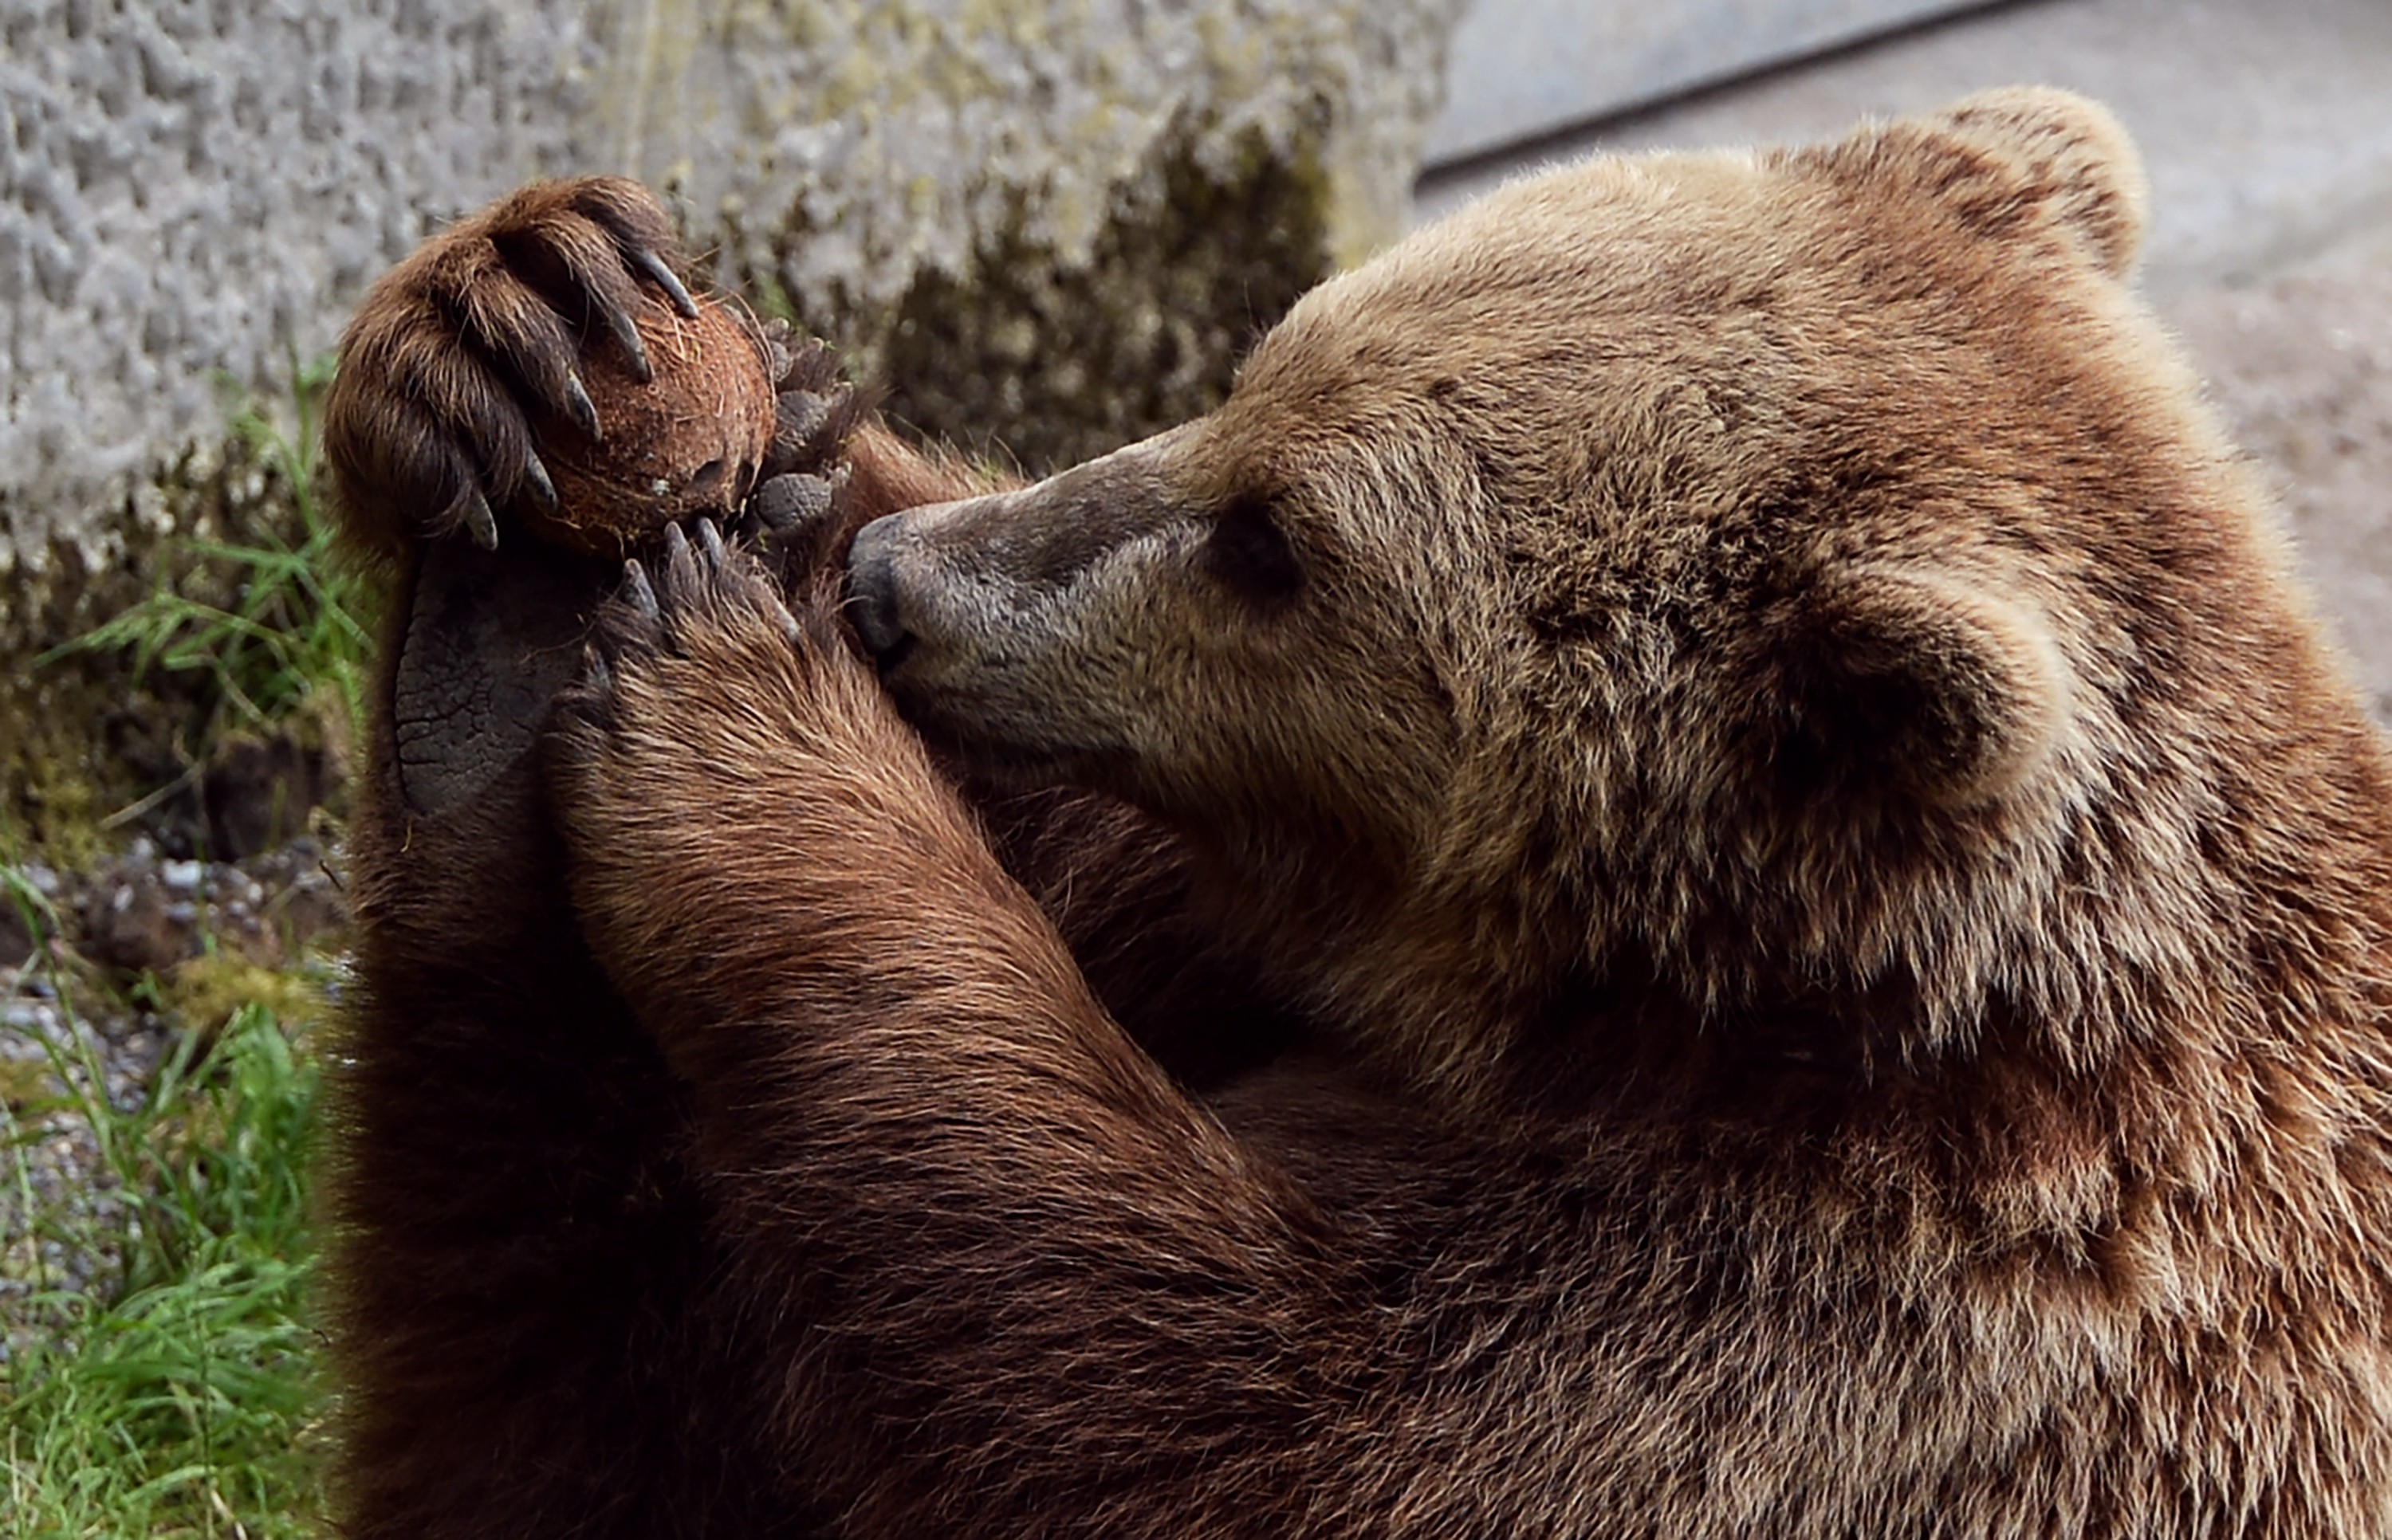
x=1003, y=713
x=1047, y=688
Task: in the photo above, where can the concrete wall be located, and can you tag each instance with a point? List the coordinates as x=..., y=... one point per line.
x=1056, y=222
x=193, y=192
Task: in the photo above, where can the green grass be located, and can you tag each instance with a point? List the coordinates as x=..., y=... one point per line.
x=174, y=1393
x=293, y=636
x=173, y=1389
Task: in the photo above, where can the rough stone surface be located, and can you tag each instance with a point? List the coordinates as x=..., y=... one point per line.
x=192, y=192
x=1054, y=222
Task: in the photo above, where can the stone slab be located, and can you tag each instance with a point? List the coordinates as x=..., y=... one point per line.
x=2266, y=127
x=1517, y=69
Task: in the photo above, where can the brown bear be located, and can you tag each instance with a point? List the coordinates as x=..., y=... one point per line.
x=533, y=1304
x=1841, y=908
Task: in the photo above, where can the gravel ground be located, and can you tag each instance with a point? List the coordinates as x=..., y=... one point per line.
x=71, y=1032
x=60, y=1209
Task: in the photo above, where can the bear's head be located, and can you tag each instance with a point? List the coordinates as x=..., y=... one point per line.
x=1803, y=577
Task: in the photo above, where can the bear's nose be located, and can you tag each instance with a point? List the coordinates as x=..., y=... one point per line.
x=872, y=585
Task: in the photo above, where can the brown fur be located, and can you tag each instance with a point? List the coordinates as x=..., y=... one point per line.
x=536, y=1321
x=1849, y=905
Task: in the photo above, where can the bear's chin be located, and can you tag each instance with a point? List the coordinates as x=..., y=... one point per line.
x=995, y=749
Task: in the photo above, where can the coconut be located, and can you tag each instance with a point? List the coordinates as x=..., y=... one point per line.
x=686, y=442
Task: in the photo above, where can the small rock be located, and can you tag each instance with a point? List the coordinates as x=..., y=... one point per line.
x=256, y=792
x=129, y=925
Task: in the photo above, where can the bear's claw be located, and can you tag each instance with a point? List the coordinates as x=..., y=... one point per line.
x=429, y=426
x=473, y=513
x=627, y=337
x=681, y=602
x=583, y=410
x=638, y=593
x=543, y=490
x=660, y=272
x=697, y=578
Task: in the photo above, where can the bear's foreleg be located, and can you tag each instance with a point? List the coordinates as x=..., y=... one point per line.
x=523, y=1291
x=522, y=1283
x=539, y=1327
x=1018, y=1283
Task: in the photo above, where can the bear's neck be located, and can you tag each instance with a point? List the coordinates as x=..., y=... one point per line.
x=2253, y=934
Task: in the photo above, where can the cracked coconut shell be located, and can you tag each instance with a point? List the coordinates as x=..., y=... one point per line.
x=688, y=441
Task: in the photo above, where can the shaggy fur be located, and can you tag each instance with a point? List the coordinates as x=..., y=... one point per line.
x=1847, y=905
x=536, y=1317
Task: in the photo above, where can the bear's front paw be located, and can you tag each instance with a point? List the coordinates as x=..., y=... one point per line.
x=713, y=725
x=662, y=756
x=429, y=426
x=699, y=680
x=704, y=627
x=543, y=361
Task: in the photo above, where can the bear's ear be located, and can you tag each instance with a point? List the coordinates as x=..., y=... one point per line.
x=2001, y=159
x=1902, y=679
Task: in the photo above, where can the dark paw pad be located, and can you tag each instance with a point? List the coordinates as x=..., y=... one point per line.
x=794, y=515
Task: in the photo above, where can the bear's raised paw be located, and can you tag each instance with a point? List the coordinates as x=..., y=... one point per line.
x=538, y=362
x=711, y=717
x=702, y=672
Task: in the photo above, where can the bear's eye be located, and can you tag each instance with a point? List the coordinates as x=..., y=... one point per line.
x=1249, y=553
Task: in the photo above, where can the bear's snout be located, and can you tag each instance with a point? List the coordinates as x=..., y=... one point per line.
x=872, y=589
x=1006, y=578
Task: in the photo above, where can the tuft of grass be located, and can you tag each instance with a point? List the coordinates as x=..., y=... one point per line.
x=294, y=637
x=208, y=990
x=172, y=1391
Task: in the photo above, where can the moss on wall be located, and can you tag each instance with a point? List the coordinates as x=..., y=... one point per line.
x=97, y=745
x=1021, y=357
x=1050, y=226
